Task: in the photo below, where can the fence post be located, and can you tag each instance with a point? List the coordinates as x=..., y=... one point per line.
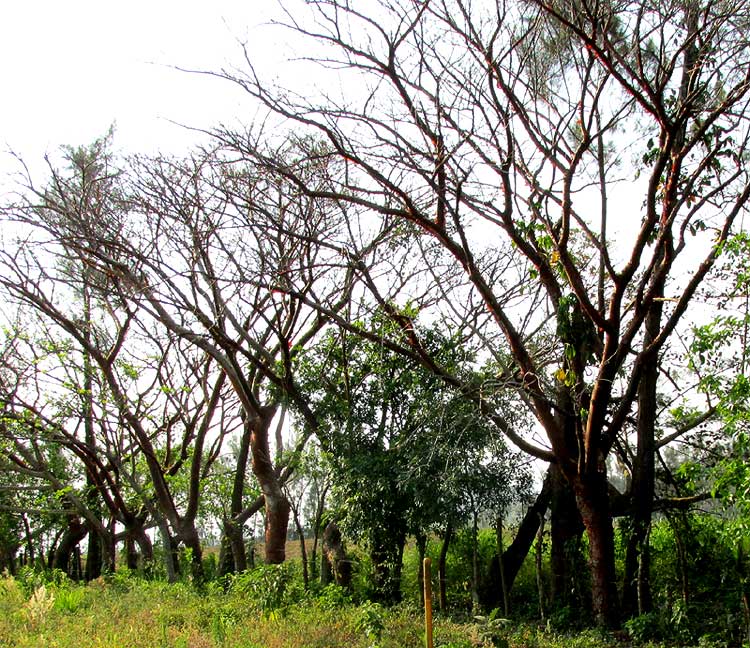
x=428, y=603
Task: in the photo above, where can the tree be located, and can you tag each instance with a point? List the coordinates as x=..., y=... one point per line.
x=147, y=401
x=501, y=127
x=407, y=456
x=208, y=248
x=240, y=239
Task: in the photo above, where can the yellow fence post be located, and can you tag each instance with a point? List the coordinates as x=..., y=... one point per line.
x=428, y=604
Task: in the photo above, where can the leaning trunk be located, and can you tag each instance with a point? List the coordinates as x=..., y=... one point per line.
x=74, y=533
x=302, y=549
x=513, y=557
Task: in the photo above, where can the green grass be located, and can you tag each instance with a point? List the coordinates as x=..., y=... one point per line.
x=261, y=609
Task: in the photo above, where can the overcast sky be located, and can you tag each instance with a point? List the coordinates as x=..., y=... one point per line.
x=69, y=69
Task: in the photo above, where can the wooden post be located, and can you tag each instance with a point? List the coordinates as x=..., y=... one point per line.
x=428, y=603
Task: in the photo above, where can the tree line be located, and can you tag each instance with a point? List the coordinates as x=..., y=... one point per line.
x=520, y=238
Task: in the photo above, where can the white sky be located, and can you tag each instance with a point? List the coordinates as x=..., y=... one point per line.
x=69, y=69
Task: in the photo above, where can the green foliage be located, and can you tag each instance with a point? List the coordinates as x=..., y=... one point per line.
x=333, y=596
x=645, y=627
x=371, y=622
x=493, y=628
x=70, y=599
x=270, y=588
x=141, y=614
x=407, y=454
x=711, y=573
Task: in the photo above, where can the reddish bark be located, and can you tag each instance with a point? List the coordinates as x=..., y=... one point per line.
x=276, y=504
x=593, y=503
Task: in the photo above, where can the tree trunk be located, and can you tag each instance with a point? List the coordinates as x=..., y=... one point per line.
x=421, y=540
x=30, y=557
x=131, y=553
x=514, y=556
x=191, y=540
x=386, y=553
x=645, y=601
x=566, y=529
x=682, y=552
x=475, y=561
x=277, y=521
x=73, y=534
x=94, y=550
x=226, y=560
x=233, y=528
x=276, y=503
x=303, y=550
x=334, y=564
x=93, y=554
x=236, y=543
x=593, y=503
x=538, y=565
x=170, y=554
x=144, y=544
x=52, y=549
x=636, y=595
x=443, y=581
x=319, y=509
x=499, y=530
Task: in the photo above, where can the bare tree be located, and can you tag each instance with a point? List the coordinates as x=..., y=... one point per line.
x=146, y=398
x=525, y=128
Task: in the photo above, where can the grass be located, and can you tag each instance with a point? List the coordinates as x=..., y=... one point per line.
x=261, y=609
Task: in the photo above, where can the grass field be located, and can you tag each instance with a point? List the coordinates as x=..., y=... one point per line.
x=265, y=608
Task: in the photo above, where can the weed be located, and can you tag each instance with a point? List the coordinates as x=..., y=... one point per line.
x=38, y=606
x=70, y=600
x=370, y=622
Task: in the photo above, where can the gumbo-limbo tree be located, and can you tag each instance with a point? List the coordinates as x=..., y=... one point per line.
x=601, y=145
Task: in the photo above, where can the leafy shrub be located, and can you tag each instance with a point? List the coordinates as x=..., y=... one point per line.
x=644, y=627
x=333, y=596
x=492, y=628
x=370, y=621
x=270, y=588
